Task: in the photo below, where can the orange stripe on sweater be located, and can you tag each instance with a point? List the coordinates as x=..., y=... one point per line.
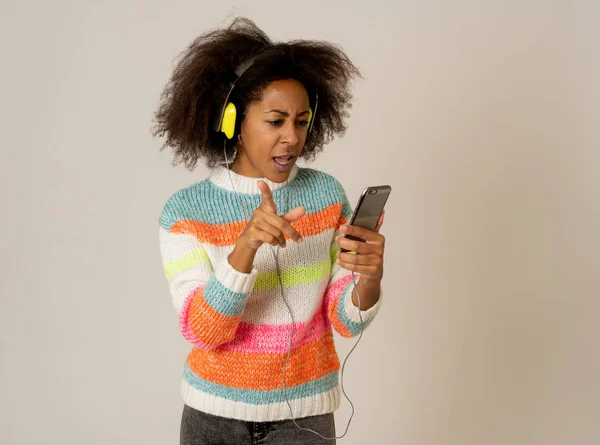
x=227, y=234
x=263, y=372
x=210, y=327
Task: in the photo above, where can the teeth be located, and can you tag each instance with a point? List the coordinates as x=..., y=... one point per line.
x=282, y=159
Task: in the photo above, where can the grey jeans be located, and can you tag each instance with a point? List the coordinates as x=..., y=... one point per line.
x=199, y=428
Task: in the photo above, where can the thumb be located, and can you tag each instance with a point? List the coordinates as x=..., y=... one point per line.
x=379, y=222
x=294, y=214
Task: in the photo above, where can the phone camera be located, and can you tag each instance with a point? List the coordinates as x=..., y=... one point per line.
x=372, y=192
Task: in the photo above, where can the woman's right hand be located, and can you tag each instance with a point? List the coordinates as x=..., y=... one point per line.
x=266, y=226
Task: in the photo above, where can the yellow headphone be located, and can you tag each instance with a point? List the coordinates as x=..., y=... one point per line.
x=228, y=124
x=226, y=119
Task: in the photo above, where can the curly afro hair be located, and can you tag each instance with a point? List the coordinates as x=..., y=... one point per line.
x=203, y=75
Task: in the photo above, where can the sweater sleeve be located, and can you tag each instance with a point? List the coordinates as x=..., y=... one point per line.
x=210, y=301
x=344, y=316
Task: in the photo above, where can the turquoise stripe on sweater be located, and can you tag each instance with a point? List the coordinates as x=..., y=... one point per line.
x=352, y=326
x=255, y=397
x=222, y=299
x=207, y=203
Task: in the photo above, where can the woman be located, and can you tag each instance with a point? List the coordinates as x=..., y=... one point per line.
x=246, y=380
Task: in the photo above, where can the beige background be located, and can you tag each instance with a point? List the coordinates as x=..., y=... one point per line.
x=482, y=115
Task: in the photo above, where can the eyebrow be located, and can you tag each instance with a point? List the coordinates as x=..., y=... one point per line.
x=284, y=113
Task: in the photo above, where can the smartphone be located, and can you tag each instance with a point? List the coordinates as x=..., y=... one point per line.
x=368, y=209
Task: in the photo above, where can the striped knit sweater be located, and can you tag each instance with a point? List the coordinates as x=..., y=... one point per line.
x=237, y=323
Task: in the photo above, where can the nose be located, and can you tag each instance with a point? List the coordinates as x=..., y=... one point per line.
x=290, y=133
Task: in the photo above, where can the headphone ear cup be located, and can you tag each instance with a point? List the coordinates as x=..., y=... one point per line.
x=310, y=115
x=228, y=123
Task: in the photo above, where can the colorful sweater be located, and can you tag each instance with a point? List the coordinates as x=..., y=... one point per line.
x=237, y=322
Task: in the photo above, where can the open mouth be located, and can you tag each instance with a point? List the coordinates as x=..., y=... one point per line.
x=283, y=162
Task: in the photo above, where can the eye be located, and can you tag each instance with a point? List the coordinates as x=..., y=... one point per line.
x=275, y=123
x=303, y=123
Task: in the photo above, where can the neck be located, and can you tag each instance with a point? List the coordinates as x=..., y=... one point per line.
x=244, y=168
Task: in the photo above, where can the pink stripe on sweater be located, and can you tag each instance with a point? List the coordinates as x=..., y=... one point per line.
x=332, y=302
x=335, y=290
x=269, y=338
x=275, y=339
x=259, y=338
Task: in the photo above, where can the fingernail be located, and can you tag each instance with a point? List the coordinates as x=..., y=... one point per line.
x=344, y=229
x=300, y=240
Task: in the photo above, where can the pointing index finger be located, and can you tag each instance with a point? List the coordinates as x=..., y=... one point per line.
x=267, y=197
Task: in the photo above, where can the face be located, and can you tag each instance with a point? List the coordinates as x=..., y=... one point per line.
x=273, y=132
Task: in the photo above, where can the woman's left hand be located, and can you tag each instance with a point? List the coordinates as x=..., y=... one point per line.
x=368, y=260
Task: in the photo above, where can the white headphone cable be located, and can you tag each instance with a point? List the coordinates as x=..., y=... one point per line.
x=276, y=257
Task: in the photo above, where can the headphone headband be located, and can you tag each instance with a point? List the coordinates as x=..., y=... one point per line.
x=243, y=67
